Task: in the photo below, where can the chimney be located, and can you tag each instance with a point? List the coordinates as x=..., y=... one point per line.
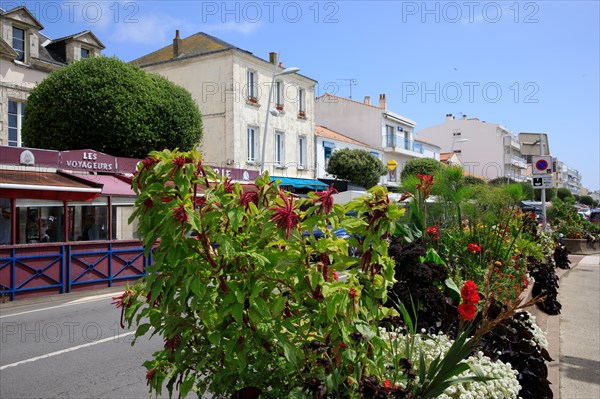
x=368, y=100
x=382, y=101
x=449, y=117
x=273, y=57
x=464, y=117
x=177, y=45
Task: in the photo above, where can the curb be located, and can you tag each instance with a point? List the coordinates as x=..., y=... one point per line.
x=551, y=326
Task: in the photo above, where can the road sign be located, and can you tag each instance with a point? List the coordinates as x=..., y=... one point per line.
x=541, y=165
x=542, y=181
x=392, y=165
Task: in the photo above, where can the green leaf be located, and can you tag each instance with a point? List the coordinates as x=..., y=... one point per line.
x=142, y=329
x=186, y=385
x=237, y=310
x=453, y=291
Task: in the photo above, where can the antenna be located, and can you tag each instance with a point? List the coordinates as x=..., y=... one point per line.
x=351, y=82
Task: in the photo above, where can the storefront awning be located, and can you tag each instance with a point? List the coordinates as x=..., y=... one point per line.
x=45, y=185
x=300, y=183
x=111, y=184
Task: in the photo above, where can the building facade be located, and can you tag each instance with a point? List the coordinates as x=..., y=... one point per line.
x=231, y=87
x=377, y=127
x=328, y=141
x=567, y=177
x=485, y=149
x=27, y=56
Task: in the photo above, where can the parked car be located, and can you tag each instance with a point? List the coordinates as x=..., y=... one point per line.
x=595, y=216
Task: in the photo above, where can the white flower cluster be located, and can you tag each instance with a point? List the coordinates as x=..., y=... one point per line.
x=539, y=336
x=547, y=244
x=503, y=386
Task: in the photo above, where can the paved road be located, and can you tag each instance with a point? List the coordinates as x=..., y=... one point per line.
x=579, y=294
x=72, y=348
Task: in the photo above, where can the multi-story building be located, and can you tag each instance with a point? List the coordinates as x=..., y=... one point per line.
x=231, y=87
x=567, y=177
x=485, y=149
x=27, y=56
x=377, y=127
x=329, y=141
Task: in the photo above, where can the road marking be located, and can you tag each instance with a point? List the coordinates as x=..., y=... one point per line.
x=60, y=352
x=74, y=302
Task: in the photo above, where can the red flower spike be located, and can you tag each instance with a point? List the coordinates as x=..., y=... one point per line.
x=352, y=293
x=148, y=162
x=148, y=203
x=180, y=214
x=124, y=300
x=469, y=292
x=285, y=216
x=467, y=310
x=150, y=375
x=228, y=186
x=249, y=197
x=179, y=162
x=326, y=199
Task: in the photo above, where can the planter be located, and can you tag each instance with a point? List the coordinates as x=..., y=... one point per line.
x=581, y=246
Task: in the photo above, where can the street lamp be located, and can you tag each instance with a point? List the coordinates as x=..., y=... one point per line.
x=454, y=142
x=286, y=71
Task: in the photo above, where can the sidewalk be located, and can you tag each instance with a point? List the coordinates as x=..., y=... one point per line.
x=579, y=294
x=577, y=324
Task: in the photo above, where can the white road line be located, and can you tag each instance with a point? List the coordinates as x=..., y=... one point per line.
x=33, y=359
x=75, y=302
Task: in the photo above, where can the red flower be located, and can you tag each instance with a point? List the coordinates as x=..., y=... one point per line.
x=425, y=184
x=148, y=162
x=352, y=293
x=285, y=216
x=228, y=186
x=249, y=197
x=467, y=310
x=326, y=199
x=469, y=292
x=150, y=375
x=124, y=300
x=387, y=384
x=148, y=203
x=179, y=162
x=172, y=344
x=474, y=248
x=433, y=232
x=180, y=214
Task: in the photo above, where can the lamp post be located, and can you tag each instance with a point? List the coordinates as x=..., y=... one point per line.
x=286, y=71
x=454, y=141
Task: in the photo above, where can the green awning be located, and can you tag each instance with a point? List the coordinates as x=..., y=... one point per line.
x=300, y=183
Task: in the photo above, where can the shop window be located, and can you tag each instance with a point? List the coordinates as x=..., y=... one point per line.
x=88, y=221
x=122, y=209
x=39, y=221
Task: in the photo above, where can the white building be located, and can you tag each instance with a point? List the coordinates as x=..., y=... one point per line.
x=27, y=56
x=485, y=149
x=231, y=87
x=377, y=127
x=567, y=177
x=328, y=141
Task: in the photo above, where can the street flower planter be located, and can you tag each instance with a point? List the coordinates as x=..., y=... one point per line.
x=581, y=246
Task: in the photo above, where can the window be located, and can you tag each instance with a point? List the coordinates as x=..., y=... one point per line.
x=279, y=149
x=88, y=221
x=252, y=143
x=390, y=136
x=39, y=221
x=279, y=94
x=16, y=110
x=301, y=102
x=18, y=43
x=301, y=152
x=327, y=150
x=85, y=53
x=252, y=85
x=122, y=209
x=456, y=133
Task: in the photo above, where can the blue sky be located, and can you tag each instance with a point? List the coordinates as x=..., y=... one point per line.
x=530, y=66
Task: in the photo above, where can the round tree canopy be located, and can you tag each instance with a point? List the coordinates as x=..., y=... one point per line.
x=110, y=106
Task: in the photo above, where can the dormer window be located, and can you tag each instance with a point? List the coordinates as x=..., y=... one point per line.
x=18, y=43
x=85, y=53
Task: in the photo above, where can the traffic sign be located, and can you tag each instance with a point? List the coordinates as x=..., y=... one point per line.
x=542, y=181
x=541, y=165
x=392, y=165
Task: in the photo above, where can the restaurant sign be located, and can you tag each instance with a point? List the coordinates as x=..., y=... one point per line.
x=87, y=160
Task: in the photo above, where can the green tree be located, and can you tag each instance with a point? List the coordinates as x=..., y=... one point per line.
x=424, y=166
x=359, y=167
x=564, y=193
x=473, y=180
x=587, y=200
x=110, y=106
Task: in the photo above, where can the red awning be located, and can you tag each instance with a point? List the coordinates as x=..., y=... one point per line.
x=45, y=185
x=111, y=184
